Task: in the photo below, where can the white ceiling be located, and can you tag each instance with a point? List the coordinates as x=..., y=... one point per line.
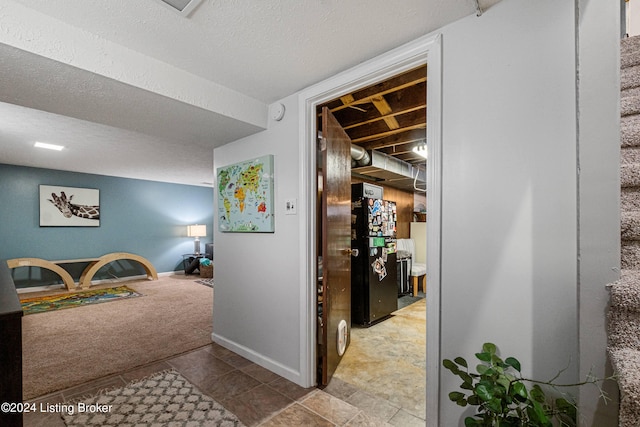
x=134, y=89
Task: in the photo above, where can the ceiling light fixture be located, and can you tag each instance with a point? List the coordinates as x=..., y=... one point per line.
x=421, y=150
x=48, y=146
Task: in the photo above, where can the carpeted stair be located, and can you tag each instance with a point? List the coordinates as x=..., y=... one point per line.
x=624, y=307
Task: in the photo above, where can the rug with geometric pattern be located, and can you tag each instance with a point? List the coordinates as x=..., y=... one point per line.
x=164, y=399
x=75, y=299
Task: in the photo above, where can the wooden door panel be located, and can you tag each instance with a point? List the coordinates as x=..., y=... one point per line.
x=335, y=156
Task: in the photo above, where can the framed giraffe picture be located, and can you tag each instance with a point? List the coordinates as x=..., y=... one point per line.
x=69, y=206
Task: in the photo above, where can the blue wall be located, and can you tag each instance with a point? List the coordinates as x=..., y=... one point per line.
x=142, y=217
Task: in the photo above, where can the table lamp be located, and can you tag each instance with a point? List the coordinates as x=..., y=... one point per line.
x=196, y=231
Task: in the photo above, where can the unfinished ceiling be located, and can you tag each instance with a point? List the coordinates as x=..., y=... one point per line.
x=139, y=76
x=388, y=120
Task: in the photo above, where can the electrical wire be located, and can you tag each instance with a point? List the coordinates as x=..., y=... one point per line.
x=415, y=182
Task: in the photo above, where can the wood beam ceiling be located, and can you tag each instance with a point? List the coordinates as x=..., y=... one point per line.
x=390, y=116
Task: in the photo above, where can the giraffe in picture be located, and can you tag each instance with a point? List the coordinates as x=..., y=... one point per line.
x=69, y=209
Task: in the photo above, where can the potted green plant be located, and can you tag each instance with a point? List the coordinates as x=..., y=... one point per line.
x=504, y=398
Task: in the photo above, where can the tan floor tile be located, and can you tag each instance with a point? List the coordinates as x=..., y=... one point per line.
x=257, y=404
x=340, y=389
x=335, y=410
x=405, y=419
x=296, y=415
x=229, y=385
x=373, y=406
x=363, y=420
x=290, y=389
x=259, y=373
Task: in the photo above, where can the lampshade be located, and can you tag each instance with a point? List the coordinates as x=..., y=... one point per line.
x=196, y=230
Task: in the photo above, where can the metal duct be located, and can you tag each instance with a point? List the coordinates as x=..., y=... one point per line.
x=359, y=156
x=390, y=170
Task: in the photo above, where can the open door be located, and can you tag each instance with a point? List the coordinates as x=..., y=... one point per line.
x=335, y=289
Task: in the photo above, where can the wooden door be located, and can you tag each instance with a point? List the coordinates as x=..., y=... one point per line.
x=335, y=168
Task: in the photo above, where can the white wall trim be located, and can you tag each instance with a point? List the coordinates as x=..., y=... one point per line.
x=418, y=52
x=434, y=229
x=257, y=358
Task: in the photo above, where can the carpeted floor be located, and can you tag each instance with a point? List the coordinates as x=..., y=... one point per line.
x=68, y=347
x=164, y=399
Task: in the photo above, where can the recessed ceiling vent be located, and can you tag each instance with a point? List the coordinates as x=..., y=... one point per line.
x=183, y=7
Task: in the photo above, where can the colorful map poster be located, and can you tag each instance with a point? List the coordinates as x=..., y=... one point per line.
x=245, y=196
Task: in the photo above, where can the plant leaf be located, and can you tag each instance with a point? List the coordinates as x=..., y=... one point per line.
x=537, y=394
x=513, y=362
x=495, y=405
x=451, y=366
x=489, y=347
x=471, y=422
x=496, y=360
x=520, y=389
x=466, y=386
x=482, y=369
x=485, y=357
x=466, y=377
x=456, y=395
x=485, y=393
x=474, y=400
x=538, y=414
x=461, y=361
x=566, y=407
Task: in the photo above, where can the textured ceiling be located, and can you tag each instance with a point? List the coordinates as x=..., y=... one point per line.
x=136, y=78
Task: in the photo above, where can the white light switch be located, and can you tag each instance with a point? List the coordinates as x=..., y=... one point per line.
x=291, y=206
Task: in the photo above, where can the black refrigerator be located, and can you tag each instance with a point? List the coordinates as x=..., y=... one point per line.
x=374, y=286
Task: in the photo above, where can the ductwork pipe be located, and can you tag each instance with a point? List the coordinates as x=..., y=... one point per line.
x=359, y=156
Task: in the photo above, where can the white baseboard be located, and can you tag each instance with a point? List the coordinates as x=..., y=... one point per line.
x=259, y=359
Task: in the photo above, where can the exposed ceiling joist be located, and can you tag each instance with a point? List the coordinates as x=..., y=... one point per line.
x=389, y=117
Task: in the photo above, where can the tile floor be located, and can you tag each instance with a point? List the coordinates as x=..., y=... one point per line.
x=257, y=396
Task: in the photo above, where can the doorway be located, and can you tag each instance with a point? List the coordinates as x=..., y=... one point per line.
x=410, y=56
x=381, y=130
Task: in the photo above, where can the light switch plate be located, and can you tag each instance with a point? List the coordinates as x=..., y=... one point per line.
x=291, y=207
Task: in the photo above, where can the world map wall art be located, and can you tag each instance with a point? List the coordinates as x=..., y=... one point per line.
x=245, y=196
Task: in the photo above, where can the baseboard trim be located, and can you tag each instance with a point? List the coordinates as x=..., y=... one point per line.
x=259, y=359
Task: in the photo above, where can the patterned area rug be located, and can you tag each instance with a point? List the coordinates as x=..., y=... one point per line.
x=164, y=399
x=59, y=302
x=206, y=282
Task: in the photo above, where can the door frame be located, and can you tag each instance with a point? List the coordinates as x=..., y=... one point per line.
x=427, y=49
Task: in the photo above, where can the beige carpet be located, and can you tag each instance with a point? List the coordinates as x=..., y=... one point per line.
x=389, y=359
x=624, y=308
x=68, y=347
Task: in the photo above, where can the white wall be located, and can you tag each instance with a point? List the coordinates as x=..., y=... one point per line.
x=633, y=17
x=509, y=205
x=257, y=292
x=509, y=198
x=599, y=194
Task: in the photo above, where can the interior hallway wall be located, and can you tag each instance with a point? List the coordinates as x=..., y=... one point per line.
x=599, y=196
x=509, y=226
x=509, y=208
x=256, y=309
